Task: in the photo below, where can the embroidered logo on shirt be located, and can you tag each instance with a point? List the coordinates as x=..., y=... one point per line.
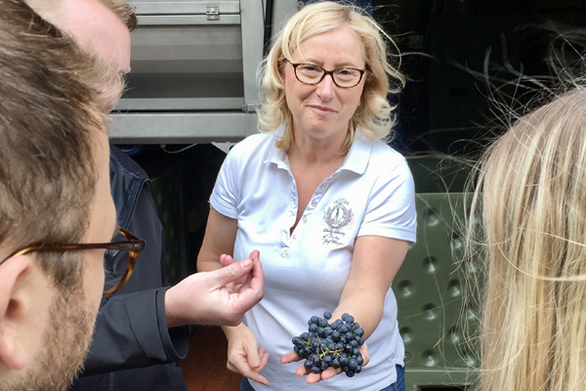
x=336, y=217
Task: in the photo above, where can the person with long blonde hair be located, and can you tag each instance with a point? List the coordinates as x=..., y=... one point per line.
x=532, y=194
x=329, y=205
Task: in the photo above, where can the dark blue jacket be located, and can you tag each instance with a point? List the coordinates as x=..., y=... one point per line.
x=133, y=349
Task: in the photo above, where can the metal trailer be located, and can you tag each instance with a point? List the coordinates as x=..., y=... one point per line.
x=194, y=70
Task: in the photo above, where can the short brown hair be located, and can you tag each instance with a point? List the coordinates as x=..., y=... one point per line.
x=123, y=11
x=119, y=7
x=48, y=119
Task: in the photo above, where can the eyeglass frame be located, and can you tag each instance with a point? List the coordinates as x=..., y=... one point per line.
x=132, y=244
x=326, y=72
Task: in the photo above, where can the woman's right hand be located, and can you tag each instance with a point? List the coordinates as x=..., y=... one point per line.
x=330, y=372
x=244, y=355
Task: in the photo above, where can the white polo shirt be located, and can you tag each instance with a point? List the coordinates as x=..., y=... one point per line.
x=305, y=273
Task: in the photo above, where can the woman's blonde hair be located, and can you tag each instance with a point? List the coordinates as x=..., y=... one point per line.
x=373, y=116
x=532, y=186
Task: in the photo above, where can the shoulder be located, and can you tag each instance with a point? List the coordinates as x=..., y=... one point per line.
x=254, y=142
x=253, y=148
x=385, y=161
x=121, y=163
x=381, y=150
x=127, y=183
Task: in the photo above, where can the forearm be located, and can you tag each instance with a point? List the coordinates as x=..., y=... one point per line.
x=366, y=308
x=375, y=262
x=231, y=331
x=208, y=261
x=218, y=239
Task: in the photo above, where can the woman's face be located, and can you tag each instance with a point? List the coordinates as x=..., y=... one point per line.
x=322, y=112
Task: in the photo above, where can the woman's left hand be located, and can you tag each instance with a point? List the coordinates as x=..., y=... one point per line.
x=313, y=378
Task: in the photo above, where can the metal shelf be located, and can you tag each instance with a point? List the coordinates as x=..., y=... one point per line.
x=181, y=128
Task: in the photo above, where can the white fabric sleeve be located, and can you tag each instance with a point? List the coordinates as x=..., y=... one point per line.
x=391, y=207
x=225, y=195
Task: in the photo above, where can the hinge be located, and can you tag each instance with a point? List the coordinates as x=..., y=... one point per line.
x=250, y=108
x=213, y=13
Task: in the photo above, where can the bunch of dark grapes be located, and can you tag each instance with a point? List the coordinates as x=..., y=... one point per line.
x=327, y=345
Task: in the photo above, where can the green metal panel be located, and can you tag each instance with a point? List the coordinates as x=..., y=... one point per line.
x=430, y=288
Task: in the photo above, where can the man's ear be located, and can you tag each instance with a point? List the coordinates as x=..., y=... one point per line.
x=12, y=309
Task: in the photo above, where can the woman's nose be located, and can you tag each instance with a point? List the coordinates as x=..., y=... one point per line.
x=326, y=88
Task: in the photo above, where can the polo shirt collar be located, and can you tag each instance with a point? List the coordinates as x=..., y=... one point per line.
x=356, y=160
x=359, y=154
x=277, y=155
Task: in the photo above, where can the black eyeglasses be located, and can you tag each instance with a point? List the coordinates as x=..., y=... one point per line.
x=344, y=77
x=132, y=244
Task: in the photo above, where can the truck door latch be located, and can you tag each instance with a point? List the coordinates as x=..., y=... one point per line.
x=213, y=13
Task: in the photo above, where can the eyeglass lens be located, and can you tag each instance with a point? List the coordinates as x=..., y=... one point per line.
x=115, y=266
x=118, y=267
x=313, y=74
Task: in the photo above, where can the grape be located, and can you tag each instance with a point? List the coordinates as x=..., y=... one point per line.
x=333, y=344
x=352, y=364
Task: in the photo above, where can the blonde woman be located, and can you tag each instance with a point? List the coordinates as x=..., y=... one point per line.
x=328, y=204
x=533, y=190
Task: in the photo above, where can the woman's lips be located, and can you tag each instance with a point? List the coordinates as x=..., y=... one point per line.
x=322, y=109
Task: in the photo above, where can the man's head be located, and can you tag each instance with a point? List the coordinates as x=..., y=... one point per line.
x=54, y=188
x=101, y=27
